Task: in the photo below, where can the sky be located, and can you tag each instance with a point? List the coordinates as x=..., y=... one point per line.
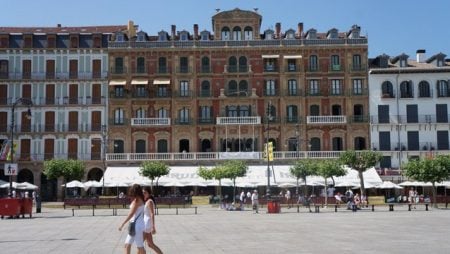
x=392, y=26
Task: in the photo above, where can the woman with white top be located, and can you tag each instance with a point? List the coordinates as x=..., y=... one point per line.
x=136, y=214
x=149, y=220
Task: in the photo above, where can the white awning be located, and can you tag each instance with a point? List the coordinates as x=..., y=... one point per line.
x=139, y=82
x=270, y=56
x=117, y=82
x=293, y=57
x=161, y=82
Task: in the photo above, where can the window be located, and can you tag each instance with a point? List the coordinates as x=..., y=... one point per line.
x=141, y=113
x=243, y=88
x=184, y=88
x=162, y=65
x=237, y=34
x=413, y=141
x=244, y=110
x=225, y=34
x=383, y=113
x=313, y=63
x=162, y=91
x=384, y=138
x=336, y=87
x=205, y=114
x=140, y=146
x=406, y=89
x=314, y=110
x=269, y=64
x=387, y=90
x=141, y=37
x=292, y=114
x=337, y=144
x=248, y=33
x=292, y=87
x=119, y=91
x=205, y=65
x=403, y=63
x=163, y=113
x=118, y=146
x=119, y=116
x=360, y=143
x=424, y=89
x=232, y=88
x=162, y=146
x=336, y=110
x=184, y=116
x=205, y=89
x=315, y=144
x=442, y=140
x=385, y=162
x=290, y=35
x=184, y=36
x=270, y=88
x=358, y=113
x=357, y=62
x=441, y=113
x=412, y=113
x=162, y=36
x=314, y=87
x=184, y=66
x=119, y=37
x=357, y=87
x=268, y=35
x=140, y=91
x=140, y=65
x=335, y=64
x=443, y=88
x=232, y=64
x=292, y=65
x=242, y=64
x=118, y=65
x=231, y=111
x=204, y=36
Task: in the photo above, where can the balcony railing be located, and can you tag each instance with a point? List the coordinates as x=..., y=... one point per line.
x=52, y=75
x=404, y=146
x=23, y=157
x=208, y=156
x=243, y=120
x=341, y=119
x=404, y=119
x=150, y=121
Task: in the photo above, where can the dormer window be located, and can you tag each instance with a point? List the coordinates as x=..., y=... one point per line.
x=141, y=37
x=268, y=34
x=332, y=34
x=204, y=36
x=290, y=34
x=354, y=32
x=248, y=33
x=162, y=36
x=120, y=38
x=237, y=33
x=439, y=63
x=184, y=36
x=311, y=34
x=403, y=63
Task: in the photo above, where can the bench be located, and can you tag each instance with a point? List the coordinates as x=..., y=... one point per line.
x=176, y=209
x=94, y=202
x=316, y=207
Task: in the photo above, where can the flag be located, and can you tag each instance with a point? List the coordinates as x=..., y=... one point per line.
x=4, y=150
x=8, y=157
x=268, y=151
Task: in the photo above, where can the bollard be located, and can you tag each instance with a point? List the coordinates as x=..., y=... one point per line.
x=335, y=208
x=409, y=207
x=373, y=208
x=391, y=207
x=176, y=208
x=426, y=207
x=298, y=208
x=93, y=210
x=73, y=212
x=195, y=210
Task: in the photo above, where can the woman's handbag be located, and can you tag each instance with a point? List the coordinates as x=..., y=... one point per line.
x=132, y=226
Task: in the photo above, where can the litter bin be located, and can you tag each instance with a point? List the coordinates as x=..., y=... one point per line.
x=26, y=206
x=9, y=207
x=38, y=204
x=273, y=206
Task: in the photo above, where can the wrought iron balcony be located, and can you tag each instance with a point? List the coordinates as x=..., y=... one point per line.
x=240, y=120
x=340, y=119
x=149, y=122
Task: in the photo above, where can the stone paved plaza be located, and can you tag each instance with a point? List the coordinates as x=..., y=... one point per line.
x=218, y=231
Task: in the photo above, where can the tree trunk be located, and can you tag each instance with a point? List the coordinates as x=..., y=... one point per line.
x=220, y=190
x=296, y=188
x=234, y=190
x=326, y=193
x=361, y=181
x=305, y=189
x=151, y=185
x=434, y=196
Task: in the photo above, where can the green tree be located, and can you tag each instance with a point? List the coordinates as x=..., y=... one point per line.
x=234, y=169
x=330, y=169
x=300, y=170
x=217, y=173
x=360, y=161
x=432, y=170
x=68, y=169
x=153, y=170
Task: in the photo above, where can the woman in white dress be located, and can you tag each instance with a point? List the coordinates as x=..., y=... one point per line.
x=136, y=214
x=149, y=220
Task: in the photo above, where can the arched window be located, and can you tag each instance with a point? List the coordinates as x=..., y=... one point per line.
x=205, y=65
x=231, y=111
x=424, y=89
x=336, y=110
x=406, y=89
x=244, y=110
x=118, y=146
x=205, y=89
x=162, y=65
x=162, y=146
x=387, y=90
x=141, y=113
x=237, y=33
x=358, y=113
x=337, y=144
x=248, y=33
x=243, y=88
x=225, y=34
x=183, y=116
x=443, y=88
x=140, y=146
x=232, y=88
x=232, y=64
x=243, y=64
x=162, y=113
x=360, y=143
x=314, y=110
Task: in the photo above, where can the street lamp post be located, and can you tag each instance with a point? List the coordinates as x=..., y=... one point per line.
x=28, y=103
x=269, y=107
x=104, y=143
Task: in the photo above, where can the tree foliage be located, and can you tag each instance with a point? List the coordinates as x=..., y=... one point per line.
x=360, y=161
x=234, y=169
x=432, y=170
x=68, y=169
x=153, y=170
x=217, y=173
x=303, y=168
x=329, y=169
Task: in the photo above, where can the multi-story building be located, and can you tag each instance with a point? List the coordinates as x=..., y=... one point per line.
x=408, y=108
x=211, y=95
x=63, y=72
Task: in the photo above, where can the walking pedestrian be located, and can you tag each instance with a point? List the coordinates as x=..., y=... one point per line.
x=149, y=220
x=255, y=200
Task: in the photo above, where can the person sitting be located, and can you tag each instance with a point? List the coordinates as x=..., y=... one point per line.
x=363, y=201
x=338, y=198
x=357, y=200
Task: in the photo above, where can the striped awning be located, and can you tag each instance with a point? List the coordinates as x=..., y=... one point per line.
x=161, y=82
x=293, y=57
x=139, y=82
x=270, y=56
x=117, y=82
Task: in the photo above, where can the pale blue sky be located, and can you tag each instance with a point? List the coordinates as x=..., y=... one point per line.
x=393, y=26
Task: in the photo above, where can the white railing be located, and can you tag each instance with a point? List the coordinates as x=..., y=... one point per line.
x=150, y=121
x=284, y=155
x=238, y=120
x=326, y=119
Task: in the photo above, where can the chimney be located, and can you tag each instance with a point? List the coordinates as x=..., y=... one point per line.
x=174, y=29
x=300, y=29
x=195, y=31
x=131, y=29
x=277, y=30
x=58, y=25
x=420, y=55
